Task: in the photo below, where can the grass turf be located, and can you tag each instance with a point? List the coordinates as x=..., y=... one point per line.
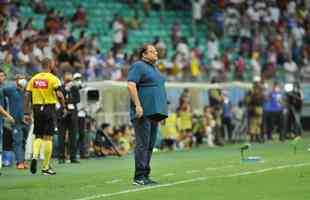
x=208, y=169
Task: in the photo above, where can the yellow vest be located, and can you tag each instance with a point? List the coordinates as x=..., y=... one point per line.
x=42, y=87
x=169, y=127
x=185, y=120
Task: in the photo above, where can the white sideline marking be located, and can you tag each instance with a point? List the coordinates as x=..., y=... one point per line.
x=190, y=181
x=113, y=181
x=169, y=174
x=192, y=171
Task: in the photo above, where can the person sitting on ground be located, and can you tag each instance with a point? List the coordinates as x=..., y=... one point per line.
x=101, y=145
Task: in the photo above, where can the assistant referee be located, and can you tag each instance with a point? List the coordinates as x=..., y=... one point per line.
x=44, y=89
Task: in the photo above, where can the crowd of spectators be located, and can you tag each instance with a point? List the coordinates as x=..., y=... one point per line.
x=268, y=37
x=264, y=38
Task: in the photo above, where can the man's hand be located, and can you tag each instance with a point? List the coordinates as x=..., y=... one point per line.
x=10, y=119
x=27, y=119
x=139, y=111
x=64, y=112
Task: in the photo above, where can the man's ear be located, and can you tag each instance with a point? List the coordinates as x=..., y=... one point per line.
x=143, y=55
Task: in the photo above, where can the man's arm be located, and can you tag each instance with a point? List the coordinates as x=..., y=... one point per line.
x=132, y=89
x=6, y=115
x=76, y=46
x=27, y=103
x=26, y=107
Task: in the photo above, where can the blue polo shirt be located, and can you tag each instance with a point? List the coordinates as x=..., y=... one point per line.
x=15, y=102
x=273, y=102
x=151, y=89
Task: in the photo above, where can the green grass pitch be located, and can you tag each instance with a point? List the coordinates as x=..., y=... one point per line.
x=200, y=174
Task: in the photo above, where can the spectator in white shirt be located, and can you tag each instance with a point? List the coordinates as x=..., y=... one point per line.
x=118, y=29
x=213, y=47
x=197, y=6
x=253, y=14
x=28, y=31
x=291, y=69
x=41, y=50
x=183, y=49
x=12, y=25
x=298, y=34
x=291, y=7
x=216, y=66
x=275, y=13
x=23, y=59
x=231, y=21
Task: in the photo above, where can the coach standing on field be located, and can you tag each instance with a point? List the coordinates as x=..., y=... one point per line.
x=148, y=106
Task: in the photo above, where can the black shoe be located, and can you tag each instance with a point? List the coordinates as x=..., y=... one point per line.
x=151, y=182
x=33, y=166
x=61, y=161
x=140, y=181
x=48, y=172
x=75, y=161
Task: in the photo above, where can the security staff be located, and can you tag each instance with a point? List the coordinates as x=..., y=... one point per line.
x=43, y=89
x=294, y=106
x=216, y=100
x=255, y=100
x=69, y=122
x=146, y=87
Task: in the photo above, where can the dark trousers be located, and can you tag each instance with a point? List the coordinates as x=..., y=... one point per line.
x=18, y=143
x=228, y=126
x=293, y=122
x=70, y=124
x=145, y=132
x=81, y=140
x=274, y=120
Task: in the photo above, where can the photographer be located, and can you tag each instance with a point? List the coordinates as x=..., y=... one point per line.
x=216, y=100
x=81, y=144
x=69, y=122
x=294, y=97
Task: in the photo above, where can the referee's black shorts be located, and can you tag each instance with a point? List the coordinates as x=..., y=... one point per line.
x=45, y=120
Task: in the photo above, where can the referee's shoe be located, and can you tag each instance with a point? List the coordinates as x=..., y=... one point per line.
x=33, y=166
x=48, y=172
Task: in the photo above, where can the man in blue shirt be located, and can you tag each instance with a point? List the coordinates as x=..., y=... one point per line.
x=2, y=113
x=274, y=112
x=15, y=95
x=146, y=87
